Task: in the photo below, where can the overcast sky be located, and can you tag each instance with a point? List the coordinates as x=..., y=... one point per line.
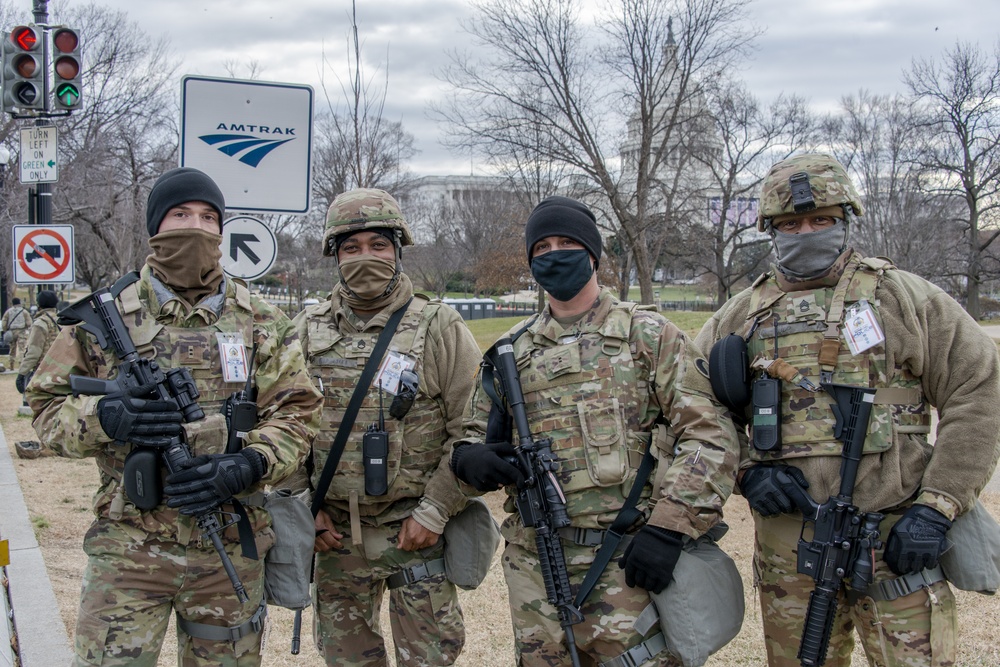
x=820, y=49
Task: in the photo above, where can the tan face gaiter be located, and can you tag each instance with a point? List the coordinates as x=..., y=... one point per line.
x=368, y=277
x=187, y=260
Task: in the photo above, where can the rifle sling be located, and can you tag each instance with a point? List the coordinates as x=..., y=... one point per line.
x=357, y=398
x=627, y=515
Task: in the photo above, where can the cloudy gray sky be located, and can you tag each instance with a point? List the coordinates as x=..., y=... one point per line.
x=820, y=49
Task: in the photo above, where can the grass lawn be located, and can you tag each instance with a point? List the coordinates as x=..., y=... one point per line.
x=488, y=330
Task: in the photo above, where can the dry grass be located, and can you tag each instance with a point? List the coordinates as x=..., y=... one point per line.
x=59, y=490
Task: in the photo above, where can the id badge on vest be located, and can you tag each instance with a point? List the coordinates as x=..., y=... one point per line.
x=861, y=328
x=390, y=371
x=233, y=355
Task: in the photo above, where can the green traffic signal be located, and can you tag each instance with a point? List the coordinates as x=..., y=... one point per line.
x=68, y=94
x=67, y=68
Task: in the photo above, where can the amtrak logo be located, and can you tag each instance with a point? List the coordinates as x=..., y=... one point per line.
x=247, y=148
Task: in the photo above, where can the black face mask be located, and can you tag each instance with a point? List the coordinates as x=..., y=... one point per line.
x=562, y=273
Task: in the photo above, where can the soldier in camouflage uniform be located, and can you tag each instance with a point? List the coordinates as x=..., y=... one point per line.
x=182, y=311
x=605, y=380
x=16, y=320
x=914, y=344
x=370, y=539
x=43, y=331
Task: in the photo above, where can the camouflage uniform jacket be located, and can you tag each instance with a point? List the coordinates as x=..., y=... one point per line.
x=604, y=389
x=43, y=331
x=165, y=327
x=17, y=318
x=435, y=339
x=930, y=344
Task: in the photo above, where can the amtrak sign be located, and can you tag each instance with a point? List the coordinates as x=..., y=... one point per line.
x=254, y=138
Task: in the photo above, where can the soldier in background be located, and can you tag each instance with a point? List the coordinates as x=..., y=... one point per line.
x=15, y=323
x=142, y=565
x=381, y=522
x=605, y=380
x=43, y=331
x=40, y=336
x=915, y=344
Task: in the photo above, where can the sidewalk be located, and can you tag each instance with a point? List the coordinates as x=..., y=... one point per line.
x=40, y=631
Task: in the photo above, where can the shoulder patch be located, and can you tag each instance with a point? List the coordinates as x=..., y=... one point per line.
x=702, y=365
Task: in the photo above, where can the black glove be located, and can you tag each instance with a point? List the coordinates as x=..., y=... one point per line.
x=917, y=540
x=208, y=481
x=20, y=382
x=773, y=490
x=140, y=417
x=486, y=466
x=650, y=558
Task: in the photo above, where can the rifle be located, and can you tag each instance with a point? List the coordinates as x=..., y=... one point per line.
x=844, y=538
x=98, y=315
x=540, y=500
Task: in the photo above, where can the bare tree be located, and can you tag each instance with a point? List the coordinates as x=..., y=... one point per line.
x=878, y=139
x=114, y=148
x=751, y=138
x=471, y=234
x=961, y=92
x=581, y=88
x=356, y=146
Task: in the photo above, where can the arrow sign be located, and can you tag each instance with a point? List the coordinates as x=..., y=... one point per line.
x=239, y=242
x=238, y=234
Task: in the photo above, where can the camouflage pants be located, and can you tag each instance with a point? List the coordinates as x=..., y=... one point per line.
x=130, y=588
x=918, y=630
x=16, y=336
x=425, y=616
x=609, y=612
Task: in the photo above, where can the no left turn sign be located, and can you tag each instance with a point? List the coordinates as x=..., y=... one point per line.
x=43, y=254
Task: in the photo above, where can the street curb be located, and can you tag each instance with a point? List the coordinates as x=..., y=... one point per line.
x=41, y=635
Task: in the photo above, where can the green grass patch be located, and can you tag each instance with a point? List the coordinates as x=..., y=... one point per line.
x=487, y=331
x=688, y=321
x=671, y=293
x=40, y=523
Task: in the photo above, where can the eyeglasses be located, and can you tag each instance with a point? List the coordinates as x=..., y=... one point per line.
x=407, y=393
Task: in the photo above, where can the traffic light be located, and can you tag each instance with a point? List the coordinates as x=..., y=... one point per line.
x=23, y=70
x=67, y=66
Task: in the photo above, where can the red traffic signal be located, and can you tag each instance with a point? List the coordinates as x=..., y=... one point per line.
x=24, y=38
x=23, y=70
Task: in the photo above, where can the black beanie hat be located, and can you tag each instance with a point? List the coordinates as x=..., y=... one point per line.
x=47, y=299
x=179, y=186
x=562, y=216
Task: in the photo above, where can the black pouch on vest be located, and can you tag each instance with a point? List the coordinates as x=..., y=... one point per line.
x=141, y=477
x=375, y=451
x=766, y=417
x=729, y=372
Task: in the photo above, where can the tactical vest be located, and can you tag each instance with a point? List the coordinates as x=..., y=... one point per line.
x=336, y=361
x=195, y=348
x=590, y=397
x=791, y=326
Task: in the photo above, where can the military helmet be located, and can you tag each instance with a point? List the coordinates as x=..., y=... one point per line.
x=803, y=183
x=364, y=208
